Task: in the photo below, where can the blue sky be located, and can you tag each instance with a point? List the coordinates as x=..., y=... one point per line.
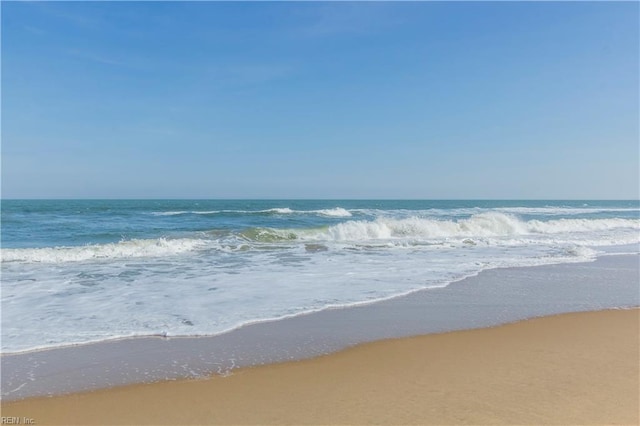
x=320, y=100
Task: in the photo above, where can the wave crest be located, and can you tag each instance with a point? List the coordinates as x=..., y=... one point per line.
x=480, y=225
x=484, y=225
x=122, y=249
x=335, y=212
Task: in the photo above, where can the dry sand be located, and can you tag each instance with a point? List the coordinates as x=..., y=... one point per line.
x=581, y=368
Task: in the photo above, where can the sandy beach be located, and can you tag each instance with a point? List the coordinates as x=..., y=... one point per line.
x=580, y=368
x=320, y=213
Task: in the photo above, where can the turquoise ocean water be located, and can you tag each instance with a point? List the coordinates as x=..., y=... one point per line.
x=91, y=270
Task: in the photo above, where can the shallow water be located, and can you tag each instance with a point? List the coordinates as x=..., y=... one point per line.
x=493, y=297
x=83, y=271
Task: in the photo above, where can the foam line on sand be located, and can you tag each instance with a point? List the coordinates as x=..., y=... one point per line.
x=579, y=368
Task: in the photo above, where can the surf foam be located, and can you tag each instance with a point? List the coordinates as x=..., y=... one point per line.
x=124, y=249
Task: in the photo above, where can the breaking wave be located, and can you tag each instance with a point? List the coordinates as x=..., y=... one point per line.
x=490, y=225
x=481, y=225
x=335, y=212
x=566, y=210
x=122, y=249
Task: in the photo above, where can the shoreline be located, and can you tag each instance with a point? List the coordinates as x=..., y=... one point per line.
x=493, y=297
x=312, y=312
x=572, y=368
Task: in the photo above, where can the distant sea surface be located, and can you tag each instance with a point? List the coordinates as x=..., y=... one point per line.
x=91, y=270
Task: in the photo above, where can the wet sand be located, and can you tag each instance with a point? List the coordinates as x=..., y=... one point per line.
x=493, y=297
x=579, y=368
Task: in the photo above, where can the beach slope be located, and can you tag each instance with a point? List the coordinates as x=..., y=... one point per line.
x=580, y=368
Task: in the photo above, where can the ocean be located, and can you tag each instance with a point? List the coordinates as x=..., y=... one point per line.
x=79, y=271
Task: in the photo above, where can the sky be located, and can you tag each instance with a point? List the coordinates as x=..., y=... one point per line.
x=434, y=100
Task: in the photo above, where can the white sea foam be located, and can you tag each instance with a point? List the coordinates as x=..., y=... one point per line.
x=470, y=211
x=564, y=210
x=124, y=249
x=207, y=297
x=480, y=225
x=335, y=212
x=169, y=213
x=278, y=210
x=505, y=227
x=258, y=264
x=582, y=252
